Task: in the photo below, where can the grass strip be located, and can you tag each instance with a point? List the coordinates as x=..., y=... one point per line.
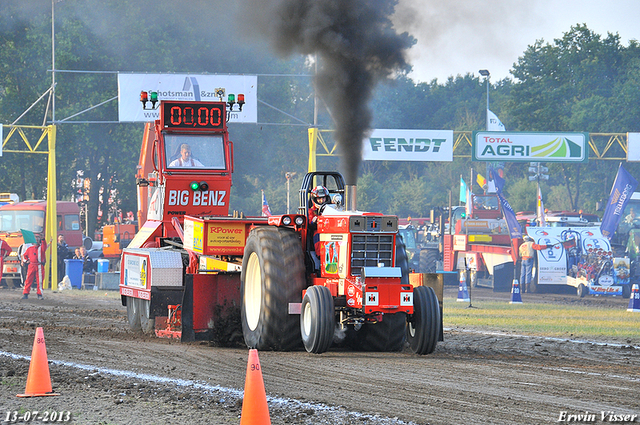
x=568, y=321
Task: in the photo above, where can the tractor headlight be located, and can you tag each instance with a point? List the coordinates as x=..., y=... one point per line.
x=286, y=220
x=299, y=220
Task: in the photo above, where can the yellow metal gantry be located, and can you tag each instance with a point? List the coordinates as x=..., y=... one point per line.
x=36, y=145
x=603, y=146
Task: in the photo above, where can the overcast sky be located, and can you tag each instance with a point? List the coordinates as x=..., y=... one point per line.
x=463, y=36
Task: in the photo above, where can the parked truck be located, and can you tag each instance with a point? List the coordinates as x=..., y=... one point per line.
x=31, y=215
x=478, y=240
x=195, y=270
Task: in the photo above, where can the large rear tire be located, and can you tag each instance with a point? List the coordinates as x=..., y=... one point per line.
x=273, y=275
x=133, y=315
x=317, y=320
x=428, y=260
x=423, y=327
x=147, y=319
x=402, y=260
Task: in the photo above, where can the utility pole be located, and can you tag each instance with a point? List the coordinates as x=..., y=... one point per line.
x=485, y=73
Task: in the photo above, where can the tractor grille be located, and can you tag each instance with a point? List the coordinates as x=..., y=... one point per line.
x=368, y=250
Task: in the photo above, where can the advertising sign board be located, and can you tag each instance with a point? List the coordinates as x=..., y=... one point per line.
x=409, y=145
x=530, y=146
x=185, y=87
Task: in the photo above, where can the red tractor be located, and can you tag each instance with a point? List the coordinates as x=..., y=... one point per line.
x=196, y=272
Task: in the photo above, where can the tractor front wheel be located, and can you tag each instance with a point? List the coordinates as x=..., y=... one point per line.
x=317, y=319
x=423, y=327
x=582, y=290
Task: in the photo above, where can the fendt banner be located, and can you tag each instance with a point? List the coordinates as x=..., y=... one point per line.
x=139, y=95
x=530, y=146
x=408, y=145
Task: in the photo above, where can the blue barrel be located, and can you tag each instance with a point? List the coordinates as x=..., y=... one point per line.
x=73, y=269
x=103, y=265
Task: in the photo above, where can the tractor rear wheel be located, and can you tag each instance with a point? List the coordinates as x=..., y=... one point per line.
x=273, y=275
x=317, y=319
x=402, y=260
x=428, y=260
x=147, y=319
x=423, y=327
x=133, y=315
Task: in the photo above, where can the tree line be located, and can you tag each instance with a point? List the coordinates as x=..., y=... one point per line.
x=582, y=82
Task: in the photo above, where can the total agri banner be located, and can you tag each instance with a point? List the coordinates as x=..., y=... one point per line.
x=211, y=88
x=530, y=146
x=553, y=262
x=408, y=145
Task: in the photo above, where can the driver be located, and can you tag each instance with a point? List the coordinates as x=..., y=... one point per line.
x=630, y=217
x=185, y=160
x=319, y=198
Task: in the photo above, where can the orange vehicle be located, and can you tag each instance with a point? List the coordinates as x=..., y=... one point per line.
x=116, y=237
x=31, y=215
x=480, y=242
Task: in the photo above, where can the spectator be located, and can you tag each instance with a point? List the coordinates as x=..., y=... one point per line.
x=63, y=253
x=87, y=262
x=526, y=252
x=5, y=250
x=35, y=256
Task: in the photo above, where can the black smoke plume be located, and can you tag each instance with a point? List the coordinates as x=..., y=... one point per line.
x=357, y=48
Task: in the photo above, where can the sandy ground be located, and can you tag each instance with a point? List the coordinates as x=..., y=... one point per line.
x=106, y=374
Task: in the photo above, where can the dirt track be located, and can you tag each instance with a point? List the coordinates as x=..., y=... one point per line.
x=109, y=375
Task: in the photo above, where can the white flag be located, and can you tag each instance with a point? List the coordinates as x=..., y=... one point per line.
x=540, y=210
x=494, y=123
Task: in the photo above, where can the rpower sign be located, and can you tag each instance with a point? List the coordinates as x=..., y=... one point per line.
x=530, y=146
x=408, y=145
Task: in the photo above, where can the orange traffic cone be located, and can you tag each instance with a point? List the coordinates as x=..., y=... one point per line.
x=254, y=405
x=38, y=380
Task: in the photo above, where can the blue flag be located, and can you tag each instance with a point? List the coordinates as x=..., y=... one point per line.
x=515, y=230
x=621, y=192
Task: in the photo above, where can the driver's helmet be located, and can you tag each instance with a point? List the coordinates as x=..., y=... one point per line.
x=319, y=195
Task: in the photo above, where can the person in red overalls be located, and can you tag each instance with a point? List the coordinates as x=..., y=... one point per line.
x=35, y=256
x=5, y=250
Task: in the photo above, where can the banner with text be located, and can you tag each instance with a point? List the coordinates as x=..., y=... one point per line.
x=633, y=147
x=623, y=187
x=409, y=145
x=211, y=88
x=529, y=146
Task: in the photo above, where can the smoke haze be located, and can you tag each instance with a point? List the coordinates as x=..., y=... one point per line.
x=357, y=46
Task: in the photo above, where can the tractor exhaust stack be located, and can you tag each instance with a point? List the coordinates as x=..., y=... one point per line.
x=350, y=194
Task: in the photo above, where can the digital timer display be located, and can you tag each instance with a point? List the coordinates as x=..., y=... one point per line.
x=193, y=115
